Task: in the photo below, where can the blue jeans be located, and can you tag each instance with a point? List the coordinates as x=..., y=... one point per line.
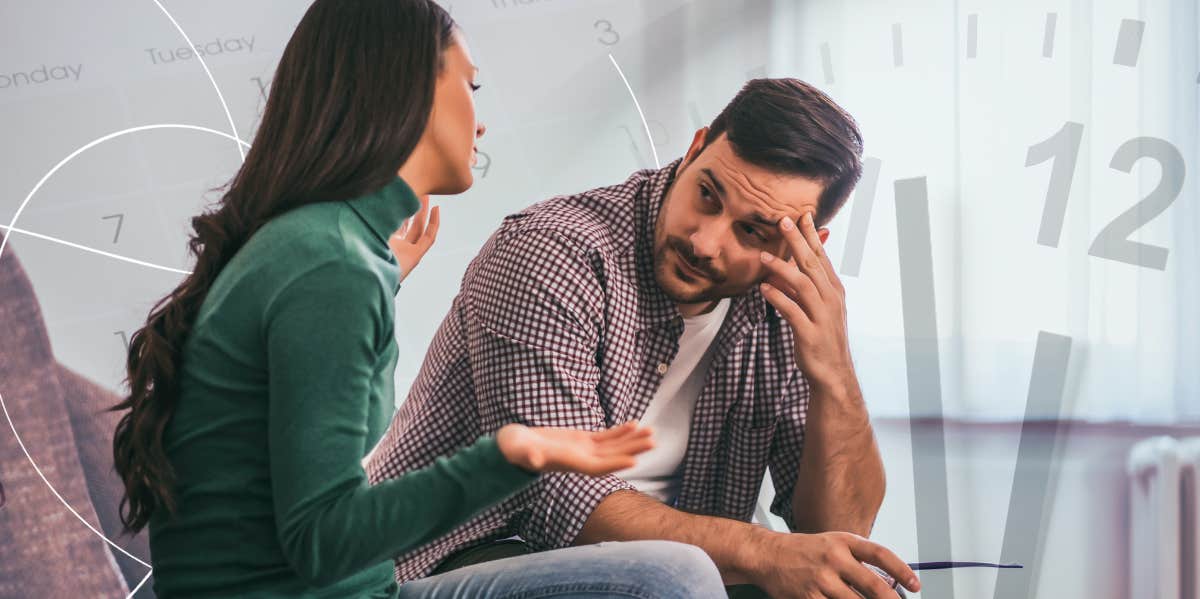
x=637, y=569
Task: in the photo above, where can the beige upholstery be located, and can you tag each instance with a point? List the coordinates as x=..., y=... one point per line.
x=45, y=550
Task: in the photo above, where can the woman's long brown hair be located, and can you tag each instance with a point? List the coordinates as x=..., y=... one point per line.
x=349, y=100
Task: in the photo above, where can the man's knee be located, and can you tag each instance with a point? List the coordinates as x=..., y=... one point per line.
x=683, y=564
x=691, y=558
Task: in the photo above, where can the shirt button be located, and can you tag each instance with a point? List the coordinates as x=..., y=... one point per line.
x=662, y=367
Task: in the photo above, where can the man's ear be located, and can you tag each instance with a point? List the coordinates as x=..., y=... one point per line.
x=693, y=150
x=823, y=235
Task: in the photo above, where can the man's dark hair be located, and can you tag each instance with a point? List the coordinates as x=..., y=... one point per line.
x=790, y=127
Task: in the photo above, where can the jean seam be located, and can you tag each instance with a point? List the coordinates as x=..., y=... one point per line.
x=549, y=591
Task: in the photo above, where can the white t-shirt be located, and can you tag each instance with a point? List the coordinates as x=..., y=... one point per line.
x=657, y=472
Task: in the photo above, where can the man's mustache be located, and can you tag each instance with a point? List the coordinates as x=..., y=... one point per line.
x=685, y=252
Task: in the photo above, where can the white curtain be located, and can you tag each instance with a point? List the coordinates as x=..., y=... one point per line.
x=959, y=93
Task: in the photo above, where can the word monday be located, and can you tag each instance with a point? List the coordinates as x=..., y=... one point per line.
x=42, y=74
x=231, y=45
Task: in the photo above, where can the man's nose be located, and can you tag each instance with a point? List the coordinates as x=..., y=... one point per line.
x=705, y=243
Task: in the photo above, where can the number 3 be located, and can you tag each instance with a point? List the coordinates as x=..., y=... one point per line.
x=608, y=28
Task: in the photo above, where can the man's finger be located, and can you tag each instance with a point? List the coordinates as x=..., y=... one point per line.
x=788, y=308
x=794, y=296
x=808, y=227
x=867, y=583
x=806, y=260
x=878, y=555
x=841, y=591
x=795, y=284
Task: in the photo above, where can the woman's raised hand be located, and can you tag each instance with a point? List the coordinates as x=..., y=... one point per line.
x=410, y=242
x=553, y=449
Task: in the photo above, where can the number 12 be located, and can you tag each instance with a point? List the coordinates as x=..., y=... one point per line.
x=1113, y=242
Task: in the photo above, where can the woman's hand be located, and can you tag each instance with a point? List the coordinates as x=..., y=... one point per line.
x=415, y=237
x=553, y=449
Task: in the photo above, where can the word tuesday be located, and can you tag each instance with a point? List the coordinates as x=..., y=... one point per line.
x=42, y=74
x=218, y=46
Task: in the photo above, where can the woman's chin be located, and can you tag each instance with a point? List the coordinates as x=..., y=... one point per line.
x=462, y=182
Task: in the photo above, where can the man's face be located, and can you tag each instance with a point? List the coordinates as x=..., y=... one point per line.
x=719, y=214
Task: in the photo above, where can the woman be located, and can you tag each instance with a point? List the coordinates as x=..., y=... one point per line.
x=259, y=384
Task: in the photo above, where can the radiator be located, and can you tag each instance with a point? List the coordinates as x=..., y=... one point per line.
x=1163, y=508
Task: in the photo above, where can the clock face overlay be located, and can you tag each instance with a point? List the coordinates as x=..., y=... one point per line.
x=1020, y=253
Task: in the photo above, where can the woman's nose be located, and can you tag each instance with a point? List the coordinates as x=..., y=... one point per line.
x=480, y=129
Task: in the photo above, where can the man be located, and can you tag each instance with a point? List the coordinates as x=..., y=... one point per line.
x=642, y=300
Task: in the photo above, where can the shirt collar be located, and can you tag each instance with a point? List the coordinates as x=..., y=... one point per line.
x=744, y=310
x=385, y=209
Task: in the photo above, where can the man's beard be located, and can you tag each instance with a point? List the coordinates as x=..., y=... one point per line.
x=664, y=276
x=683, y=252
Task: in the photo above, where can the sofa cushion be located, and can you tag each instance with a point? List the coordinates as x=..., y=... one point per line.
x=87, y=404
x=47, y=551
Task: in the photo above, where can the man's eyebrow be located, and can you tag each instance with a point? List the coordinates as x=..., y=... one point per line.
x=756, y=217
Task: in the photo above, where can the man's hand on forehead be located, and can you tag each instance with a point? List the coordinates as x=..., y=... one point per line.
x=785, y=250
x=806, y=291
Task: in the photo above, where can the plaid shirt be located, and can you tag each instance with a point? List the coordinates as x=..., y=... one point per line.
x=560, y=322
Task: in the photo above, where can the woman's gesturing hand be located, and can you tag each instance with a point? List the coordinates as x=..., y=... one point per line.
x=553, y=449
x=415, y=237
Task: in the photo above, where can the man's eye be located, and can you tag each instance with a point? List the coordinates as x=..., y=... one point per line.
x=475, y=87
x=705, y=193
x=754, y=232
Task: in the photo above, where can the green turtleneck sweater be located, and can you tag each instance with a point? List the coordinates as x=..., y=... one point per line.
x=286, y=383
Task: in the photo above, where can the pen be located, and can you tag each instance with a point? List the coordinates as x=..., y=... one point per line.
x=937, y=566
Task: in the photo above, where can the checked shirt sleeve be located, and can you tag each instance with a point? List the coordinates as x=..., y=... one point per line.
x=786, y=449
x=535, y=314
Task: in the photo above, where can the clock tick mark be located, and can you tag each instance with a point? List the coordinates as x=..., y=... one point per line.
x=972, y=34
x=860, y=217
x=1048, y=35
x=827, y=63
x=897, y=45
x=1129, y=42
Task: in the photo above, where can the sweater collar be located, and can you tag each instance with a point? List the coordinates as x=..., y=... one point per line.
x=385, y=209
